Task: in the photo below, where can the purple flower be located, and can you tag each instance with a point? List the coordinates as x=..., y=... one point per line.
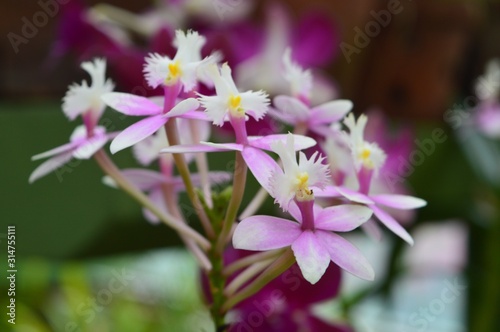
x=312, y=239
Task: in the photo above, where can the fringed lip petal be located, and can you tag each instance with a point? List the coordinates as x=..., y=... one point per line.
x=265, y=233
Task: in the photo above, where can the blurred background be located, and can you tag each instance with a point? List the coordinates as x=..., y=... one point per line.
x=415, y=70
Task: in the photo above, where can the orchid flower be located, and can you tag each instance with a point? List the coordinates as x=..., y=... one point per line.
x=232, y=105
x=80, y=146
x=312, y=239
x=295, y=110
x=84, y=99
x=184, y=68
x=129, y=104
x=297, y=178
x=152, y=182
x=368, y=157
x=229, y=103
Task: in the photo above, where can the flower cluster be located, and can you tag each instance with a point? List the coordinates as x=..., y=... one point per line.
x=289, y=166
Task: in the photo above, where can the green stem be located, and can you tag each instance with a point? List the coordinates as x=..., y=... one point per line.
x=279, y=266
x=239, y=181
x=111, y=170
x=180, y=162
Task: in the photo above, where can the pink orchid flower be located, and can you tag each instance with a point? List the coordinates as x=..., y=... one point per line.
x=81, y=146
x=312, y=239
x=231, y=105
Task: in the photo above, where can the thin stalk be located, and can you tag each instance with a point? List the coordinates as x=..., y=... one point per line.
x=180, y=162
x=199, y=254
x=239, y=181
x=245, y=276
x=112, y=171
x=249, y=260
x=279, y=266
x=202, y=165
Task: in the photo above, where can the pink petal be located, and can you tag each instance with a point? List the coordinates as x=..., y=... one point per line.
x=225, y=146
x=354, y=196
x=156, y=196
x=144, y=179
x=261, y=165
x=281, y=116
x=346, y=255
x=131, y=104
x=50, y=165
x=291, y=107
x=330, y=112
x=90, y=146
x=311, y=255
x=58, y=150
x=194, y=148
x=342, y=218
x=137, y=132
x=392, y=224
x=185, y=106
x=265, y=233
x=373, y=230
x=196, y=115
x=300, y=142
x=403, y=202
x=328, y=191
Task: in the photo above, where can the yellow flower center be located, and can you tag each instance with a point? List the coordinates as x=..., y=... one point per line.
x=365, y=155
x=302, y=182
x=234, y=102
x=174, y=73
